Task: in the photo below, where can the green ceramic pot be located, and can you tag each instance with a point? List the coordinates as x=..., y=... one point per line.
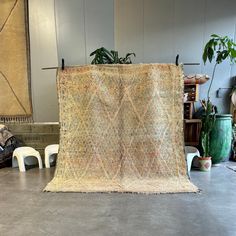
x=221, y=138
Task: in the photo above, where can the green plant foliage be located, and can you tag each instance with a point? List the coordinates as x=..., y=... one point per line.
x=221, y=48
x=208, y=121
x=104, y=56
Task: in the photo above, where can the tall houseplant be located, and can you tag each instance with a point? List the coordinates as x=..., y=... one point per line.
x=220, y=49
x=208, y=121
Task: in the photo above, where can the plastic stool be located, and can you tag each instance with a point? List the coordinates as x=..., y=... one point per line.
x=49, y=150
x=190, y=153
x=21, y=153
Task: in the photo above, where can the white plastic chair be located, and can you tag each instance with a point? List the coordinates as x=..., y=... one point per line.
x=21, y=153
x=50, y=150
x=190, y=153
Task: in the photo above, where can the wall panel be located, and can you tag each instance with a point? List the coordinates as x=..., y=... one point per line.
x=43, y=52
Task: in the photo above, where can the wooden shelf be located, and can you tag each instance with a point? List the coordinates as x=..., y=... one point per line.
x=193, y=92
x=188, y=110
x=192, y=129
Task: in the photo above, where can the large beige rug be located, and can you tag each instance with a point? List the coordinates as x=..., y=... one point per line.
x=121, y=130
x=15, y=101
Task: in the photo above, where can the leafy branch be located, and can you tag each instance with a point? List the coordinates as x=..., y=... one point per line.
x=220, y=48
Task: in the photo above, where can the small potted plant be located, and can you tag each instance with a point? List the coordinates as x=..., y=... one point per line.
x=220, y=49
x=208, y=120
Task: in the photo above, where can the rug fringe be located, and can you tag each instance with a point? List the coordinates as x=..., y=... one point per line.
x=16, y=119
x=198, y=191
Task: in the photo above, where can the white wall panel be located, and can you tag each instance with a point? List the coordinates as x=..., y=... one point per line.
x=129, y=28
x=43, y=52
x=99, y=25
x=159, y=31
x=82, y=27
x=189, y=32
x=70, y=23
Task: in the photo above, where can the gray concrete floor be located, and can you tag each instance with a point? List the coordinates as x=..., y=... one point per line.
x=26, y=210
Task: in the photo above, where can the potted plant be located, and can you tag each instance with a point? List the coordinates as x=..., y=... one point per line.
x=104, y=56
x=220, y=49
x=208, y=120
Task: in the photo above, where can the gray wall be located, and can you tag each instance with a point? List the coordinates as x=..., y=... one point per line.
x=158, y=30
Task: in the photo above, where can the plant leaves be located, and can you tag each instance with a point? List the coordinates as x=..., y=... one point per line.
x=104, y=56
x=223, y=47
x=210, y=53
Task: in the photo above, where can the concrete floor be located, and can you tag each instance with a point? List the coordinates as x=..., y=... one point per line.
x=26, y=210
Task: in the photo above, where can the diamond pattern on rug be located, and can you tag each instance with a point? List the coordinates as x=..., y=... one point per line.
x=121, y=130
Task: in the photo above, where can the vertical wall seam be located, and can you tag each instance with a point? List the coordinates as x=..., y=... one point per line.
x=174, y=30
x=143, y=60
x=56, y=24
x=204, y=30
x=231, y=66
x=114, y=25
x=31, y=5
x=85, y=32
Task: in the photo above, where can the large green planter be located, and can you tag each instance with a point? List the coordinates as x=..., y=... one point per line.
x=221, y=138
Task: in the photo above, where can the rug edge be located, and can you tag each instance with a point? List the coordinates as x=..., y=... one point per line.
x=53, y=186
